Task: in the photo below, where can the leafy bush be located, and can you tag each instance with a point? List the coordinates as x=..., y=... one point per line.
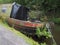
x=3, y=18
x=56, y=20
x=43, y=32
x=43, y=44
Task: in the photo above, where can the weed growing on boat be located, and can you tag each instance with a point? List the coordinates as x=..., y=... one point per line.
x=42, y=32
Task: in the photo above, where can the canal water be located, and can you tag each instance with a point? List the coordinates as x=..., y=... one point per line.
x=56, y=33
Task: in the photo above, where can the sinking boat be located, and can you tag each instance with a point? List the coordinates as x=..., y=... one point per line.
x=18, y=19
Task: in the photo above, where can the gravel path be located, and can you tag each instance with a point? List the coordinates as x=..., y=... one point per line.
x=9, y=38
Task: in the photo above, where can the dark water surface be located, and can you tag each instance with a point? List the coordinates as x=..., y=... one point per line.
x=56, y=34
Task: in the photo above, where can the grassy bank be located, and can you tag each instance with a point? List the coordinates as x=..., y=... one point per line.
x=28, y=40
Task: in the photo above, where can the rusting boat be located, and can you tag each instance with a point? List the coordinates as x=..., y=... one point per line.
x=18, y=19
x=24, y=26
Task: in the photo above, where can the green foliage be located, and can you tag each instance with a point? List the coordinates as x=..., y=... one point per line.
x=3, y=18
x=43, y=5
x=56, y=20
x=43, y=43
x=46, y=6
x=34, y=14
x=5, y=1
x=42, y=32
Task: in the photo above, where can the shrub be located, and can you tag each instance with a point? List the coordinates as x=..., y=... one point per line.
x=56, y=20
x=43, y=32
x=3, y=18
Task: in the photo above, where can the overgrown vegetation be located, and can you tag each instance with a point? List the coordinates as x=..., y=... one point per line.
x=46, y=6
x=56, y=21
x=41, y=8
x=43, y=32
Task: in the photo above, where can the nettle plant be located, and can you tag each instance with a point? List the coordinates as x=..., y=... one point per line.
x=42, y=32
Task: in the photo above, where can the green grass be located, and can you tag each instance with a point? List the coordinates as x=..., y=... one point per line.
x=28, y=40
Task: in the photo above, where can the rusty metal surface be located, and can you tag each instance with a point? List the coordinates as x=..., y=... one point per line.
x=12, y=21
x=24, y=26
